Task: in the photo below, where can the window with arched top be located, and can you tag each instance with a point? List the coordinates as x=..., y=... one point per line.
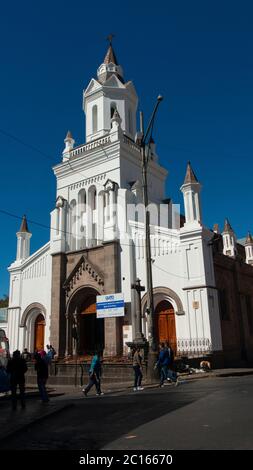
x=94, y=119
x=72, y=224
x=95, y=199
x=113, y=107
x=82, y=200
x=92, y=193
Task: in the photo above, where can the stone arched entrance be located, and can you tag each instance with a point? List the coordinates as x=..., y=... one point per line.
x=33, y=321
x=165, y=300
x=85, y=333
x=91, y=329
x=165, y=325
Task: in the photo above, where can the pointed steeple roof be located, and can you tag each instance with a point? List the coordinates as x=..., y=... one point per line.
x=227, y=226
x=24, y=225
x=110, y=56
x=190, y=176
x=69, y=135
x=249, y=239
x=110, y=65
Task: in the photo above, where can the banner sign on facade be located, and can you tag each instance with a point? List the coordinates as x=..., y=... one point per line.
x=111, y=305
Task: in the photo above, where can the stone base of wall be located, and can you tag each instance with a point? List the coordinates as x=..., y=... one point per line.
x=77, y=374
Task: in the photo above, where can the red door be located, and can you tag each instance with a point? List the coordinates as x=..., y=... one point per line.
x=39, y=332
x=165, y=324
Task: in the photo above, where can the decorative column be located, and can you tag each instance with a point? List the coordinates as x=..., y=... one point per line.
x=111, y=204
x=89, y=220
x=67, y=335
x=107, y=209
x=75, y=333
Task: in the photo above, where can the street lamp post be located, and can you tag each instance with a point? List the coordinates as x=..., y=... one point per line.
x=150, y=299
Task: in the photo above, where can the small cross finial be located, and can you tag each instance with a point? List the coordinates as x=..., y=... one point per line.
x=110, y=38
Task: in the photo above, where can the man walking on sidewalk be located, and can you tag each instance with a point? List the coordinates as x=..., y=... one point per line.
x=94, y=375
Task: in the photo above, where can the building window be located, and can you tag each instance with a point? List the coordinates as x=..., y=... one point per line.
x=94, y=119
x=224, y=305
x=113, y=107
x=249, y=313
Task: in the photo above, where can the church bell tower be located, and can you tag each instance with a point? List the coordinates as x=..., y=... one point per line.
x=106, y=94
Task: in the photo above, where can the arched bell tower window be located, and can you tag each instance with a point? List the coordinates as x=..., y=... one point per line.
x=94, y=119
x=113, y=107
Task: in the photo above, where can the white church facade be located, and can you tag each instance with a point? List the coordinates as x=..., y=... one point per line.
x=97, y=244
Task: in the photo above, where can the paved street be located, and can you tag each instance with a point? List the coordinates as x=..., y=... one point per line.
x=212, y=413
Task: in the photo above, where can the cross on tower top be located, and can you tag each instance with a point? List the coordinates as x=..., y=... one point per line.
x=110, y=38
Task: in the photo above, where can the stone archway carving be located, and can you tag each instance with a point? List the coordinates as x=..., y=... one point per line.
x=170, y=295
x=87, y=287
x=74, y=323
x=34, y=306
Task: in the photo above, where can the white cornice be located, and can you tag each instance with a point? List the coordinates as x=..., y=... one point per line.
x=88, y=160
x=21, y=266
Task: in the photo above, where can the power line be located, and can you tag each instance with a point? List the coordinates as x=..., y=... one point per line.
x=25, y=144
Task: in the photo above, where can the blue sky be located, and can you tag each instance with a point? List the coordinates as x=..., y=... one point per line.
x=198, y=54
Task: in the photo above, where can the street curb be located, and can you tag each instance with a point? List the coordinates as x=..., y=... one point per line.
x=23, y=427
x=235, y=374
x=191, y=377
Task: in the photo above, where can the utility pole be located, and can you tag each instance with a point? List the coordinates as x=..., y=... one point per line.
x=150, y=299
x=139, y=337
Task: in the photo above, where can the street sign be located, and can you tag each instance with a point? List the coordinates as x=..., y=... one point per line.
x=111, y=305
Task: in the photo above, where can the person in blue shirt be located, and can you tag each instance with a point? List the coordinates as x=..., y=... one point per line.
x=163, y=363
x=171, y=373
x=94, y=375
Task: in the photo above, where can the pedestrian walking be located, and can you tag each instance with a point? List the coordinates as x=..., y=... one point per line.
x=17, y=368
x=137, y=366
x=171, y=373
x=163, y=363
x=94, y=375
x=41, y=368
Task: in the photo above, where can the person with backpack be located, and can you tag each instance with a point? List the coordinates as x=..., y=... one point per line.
x=94, y=375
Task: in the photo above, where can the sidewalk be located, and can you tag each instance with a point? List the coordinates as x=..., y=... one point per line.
x=124, y=386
